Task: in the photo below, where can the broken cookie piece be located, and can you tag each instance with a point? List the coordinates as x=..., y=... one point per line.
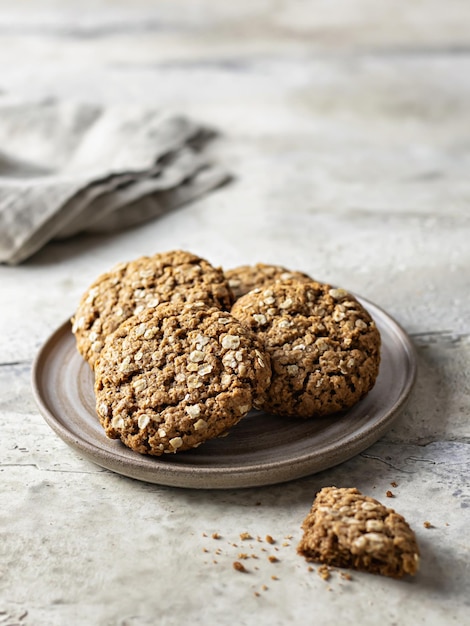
x=347, y=529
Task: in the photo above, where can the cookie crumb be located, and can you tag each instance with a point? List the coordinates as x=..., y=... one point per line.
x=242, y=556
x=264, y=587
x=324, y=572
x=239, y=567
x=245, y=536
x=215, y=536
x=273, y=559
x=274, y=578
x=345, y=576
x=269, y=539
x=427, y=525
x=393, y=484
x=389, y=494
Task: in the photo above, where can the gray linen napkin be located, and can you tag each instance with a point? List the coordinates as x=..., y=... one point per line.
x=67, y=168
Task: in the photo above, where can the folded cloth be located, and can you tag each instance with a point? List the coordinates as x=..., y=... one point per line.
x=67, y=168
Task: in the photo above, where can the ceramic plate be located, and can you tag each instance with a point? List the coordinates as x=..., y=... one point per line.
x=262, y=449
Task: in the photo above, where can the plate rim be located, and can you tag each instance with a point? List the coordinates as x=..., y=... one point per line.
x=228, y=477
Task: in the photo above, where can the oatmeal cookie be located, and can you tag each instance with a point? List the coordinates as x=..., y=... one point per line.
x=323, y=344
x=247, y=277
x=129, y=288
x=347, y=529
x=172, y=377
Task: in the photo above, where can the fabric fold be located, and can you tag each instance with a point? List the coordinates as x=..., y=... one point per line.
x=118, y=167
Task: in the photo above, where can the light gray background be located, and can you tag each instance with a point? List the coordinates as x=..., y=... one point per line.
x=346, y=125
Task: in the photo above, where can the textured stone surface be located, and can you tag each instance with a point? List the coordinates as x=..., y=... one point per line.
x=346, y=126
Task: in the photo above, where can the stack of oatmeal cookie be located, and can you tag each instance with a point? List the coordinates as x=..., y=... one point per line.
x=181, y=350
